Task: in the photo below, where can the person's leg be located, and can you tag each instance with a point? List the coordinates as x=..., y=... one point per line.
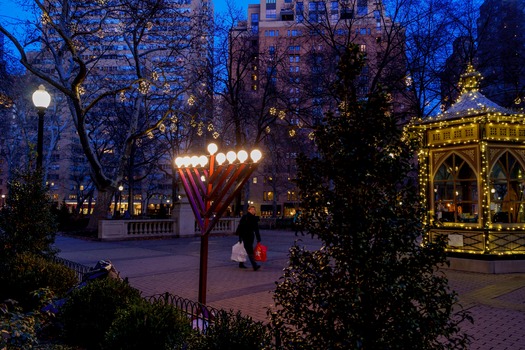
x=253, y=262
x=249, y=250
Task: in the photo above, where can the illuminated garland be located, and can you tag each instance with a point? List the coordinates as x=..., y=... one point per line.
x=477, y=121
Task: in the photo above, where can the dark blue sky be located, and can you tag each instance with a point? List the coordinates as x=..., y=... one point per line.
x=10, y=8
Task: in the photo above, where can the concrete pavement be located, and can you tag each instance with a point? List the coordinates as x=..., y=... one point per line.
x=497, y=302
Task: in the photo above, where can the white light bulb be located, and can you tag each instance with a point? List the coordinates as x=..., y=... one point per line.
x=231, y=156
x=242, y=156
x=255, y=155
x=221, y=158
x=212, y=148
x=41, y=98
x=203, y=160
x=195, y=161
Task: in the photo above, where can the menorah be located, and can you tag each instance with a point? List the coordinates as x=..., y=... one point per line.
x=211, y=183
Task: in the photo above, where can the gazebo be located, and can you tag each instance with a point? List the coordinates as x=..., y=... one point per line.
x=472, y=180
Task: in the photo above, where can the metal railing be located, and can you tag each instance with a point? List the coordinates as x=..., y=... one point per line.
x=79, y=269
x=199, y=314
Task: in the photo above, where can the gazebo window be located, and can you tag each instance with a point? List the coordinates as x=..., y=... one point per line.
x=456, y=191
x=507, y=185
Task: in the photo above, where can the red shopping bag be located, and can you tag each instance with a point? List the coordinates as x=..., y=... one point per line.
x=260, y=252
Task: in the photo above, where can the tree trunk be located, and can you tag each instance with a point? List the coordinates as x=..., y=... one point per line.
x=100, y=211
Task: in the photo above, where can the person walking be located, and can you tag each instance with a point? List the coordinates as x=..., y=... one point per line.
x=297, y=222
x=248, y=230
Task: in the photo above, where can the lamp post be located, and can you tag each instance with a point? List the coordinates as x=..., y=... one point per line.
x=120, y=189
x=3, y=200
x=41, y=100
x=211, y=184
x=81, y=200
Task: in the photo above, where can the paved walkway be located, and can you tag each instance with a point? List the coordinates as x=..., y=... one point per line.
x=497, y=302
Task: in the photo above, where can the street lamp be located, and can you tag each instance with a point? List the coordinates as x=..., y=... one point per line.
x=211, y=183
x=41, y=100
x=120, y=189
x=3, y=200
x=81, y=200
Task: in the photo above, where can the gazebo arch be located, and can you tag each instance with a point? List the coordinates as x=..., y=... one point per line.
x=456, y=190
x=507, y=188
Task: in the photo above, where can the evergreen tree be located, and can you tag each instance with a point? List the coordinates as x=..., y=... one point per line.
x=371, y=285
x=27, y=224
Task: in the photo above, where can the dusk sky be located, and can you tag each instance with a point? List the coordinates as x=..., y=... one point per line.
x=10, y=8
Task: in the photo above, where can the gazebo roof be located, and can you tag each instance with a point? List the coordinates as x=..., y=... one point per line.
x=471, y=102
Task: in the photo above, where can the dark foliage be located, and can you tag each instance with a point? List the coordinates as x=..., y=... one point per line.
x=27, y=224
x=232, y=331
x=371, y=285
x=148, y=326
x=27, y=273
x=90, y=310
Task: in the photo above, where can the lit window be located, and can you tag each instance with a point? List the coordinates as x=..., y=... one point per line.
x=506, y=194
x=268, y=196
x=456, y=196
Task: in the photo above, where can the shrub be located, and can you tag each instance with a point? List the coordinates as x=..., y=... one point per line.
x=27, y=223
x=89, y=311
x=26, y=273
x=148, y=326
x=232, y=331
x=17, y=330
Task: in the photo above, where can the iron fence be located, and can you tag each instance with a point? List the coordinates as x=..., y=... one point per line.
x=199, y=314
x=79, y=269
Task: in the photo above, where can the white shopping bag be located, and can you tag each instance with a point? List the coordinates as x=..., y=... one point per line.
x=238, y=252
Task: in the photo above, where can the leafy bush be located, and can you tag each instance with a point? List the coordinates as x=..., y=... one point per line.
x=148, y=326
x=27, y=223
x=17, y=330
x=89, y=311
x=232, y=331
x=26, y=273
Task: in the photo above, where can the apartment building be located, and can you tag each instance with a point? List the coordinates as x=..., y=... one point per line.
x=500, y=54
x=292, y=48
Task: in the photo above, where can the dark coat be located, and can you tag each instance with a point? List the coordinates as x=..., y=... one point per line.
x=249, y=229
